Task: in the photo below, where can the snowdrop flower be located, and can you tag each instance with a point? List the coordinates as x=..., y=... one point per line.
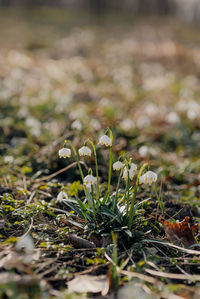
x=131, y=171
x=62, y=196
x=89, y=180
x=148, y=178
x=118, y=165
x=85, y=151
x=105, y=140
x=64, y=152
x=77, y=125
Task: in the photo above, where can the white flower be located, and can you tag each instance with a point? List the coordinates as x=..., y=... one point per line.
x=85, y=151
x=105, y=140
x=118, y=165
x=77, y=125
x=131, y=171
x=64, y=152
x=89, y=180
x=62, y=196
x=148, y=178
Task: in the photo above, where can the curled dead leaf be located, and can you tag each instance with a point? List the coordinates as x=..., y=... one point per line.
x=180, y=232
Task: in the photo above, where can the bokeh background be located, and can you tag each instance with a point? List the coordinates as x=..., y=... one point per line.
x=73, y=68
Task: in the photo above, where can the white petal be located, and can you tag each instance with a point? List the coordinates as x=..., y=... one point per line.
x=105, y=140
x=85, y=151
x=118, y=165
x=64, y=152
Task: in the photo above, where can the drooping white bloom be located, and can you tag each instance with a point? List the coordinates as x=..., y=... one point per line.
x=85, y=151
x=148, y=178
x=64, y=152
x=105, y=140
x=77, y=125
x=131, y=172
x=61, y=196
x=118, y=165
x=89, y=180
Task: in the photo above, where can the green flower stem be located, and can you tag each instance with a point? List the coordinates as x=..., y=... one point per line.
x=115, y=275
x=130, y=222
x=160, y=201
x=96, y=165
x=79, y=165
x=128, y=195
x=93, y=202
x=116, y=195
x=110, y=162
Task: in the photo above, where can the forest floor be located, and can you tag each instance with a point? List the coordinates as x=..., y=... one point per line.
x=67, y=76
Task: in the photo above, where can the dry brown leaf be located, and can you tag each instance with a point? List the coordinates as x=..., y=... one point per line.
x=179, y=232
x=79, y=242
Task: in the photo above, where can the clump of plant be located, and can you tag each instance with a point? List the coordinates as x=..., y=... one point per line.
x=103, y=211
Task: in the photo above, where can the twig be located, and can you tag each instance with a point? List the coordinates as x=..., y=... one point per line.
x=173, y=275
x=139, y=275
x=189, y=251
x=48, y=177
x=30, y=227
x=132, y=274
x=31, y=197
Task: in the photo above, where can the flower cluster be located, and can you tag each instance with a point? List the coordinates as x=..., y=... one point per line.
x=128, y=170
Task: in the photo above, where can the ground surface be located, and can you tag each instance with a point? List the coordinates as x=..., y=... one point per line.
x=141, y=79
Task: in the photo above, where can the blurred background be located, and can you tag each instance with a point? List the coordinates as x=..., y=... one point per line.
x=71, y=68
x=187, y=10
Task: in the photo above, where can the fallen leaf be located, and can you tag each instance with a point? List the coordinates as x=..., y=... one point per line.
x=179, y=232
x=79, y=242
x=89, y=284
